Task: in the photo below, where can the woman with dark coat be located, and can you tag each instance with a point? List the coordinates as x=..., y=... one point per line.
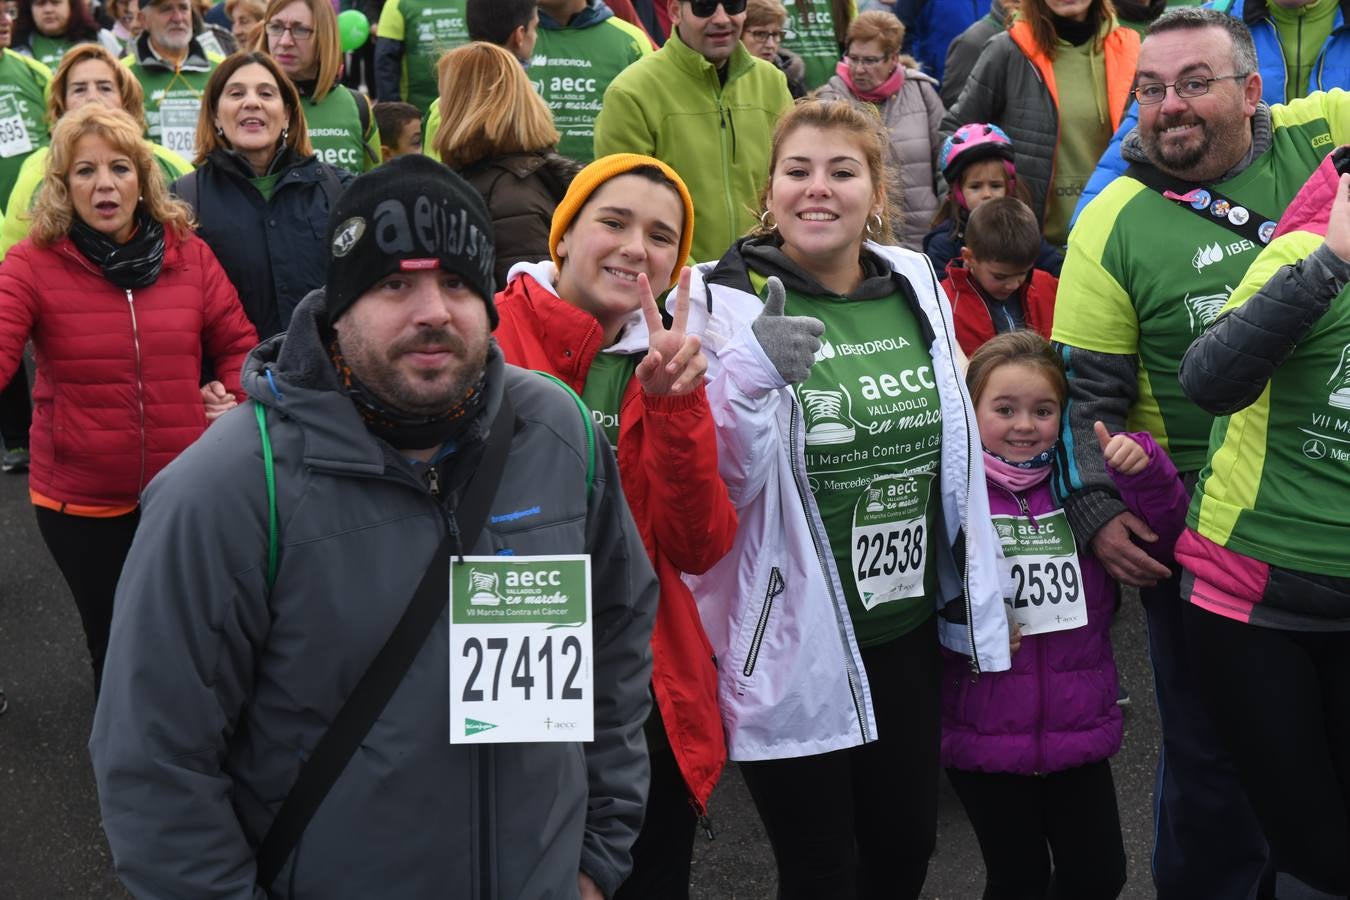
x=497, y=132
x=260, y=195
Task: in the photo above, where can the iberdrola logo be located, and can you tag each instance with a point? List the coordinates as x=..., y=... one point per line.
x=1207, y=256
x=825, y=352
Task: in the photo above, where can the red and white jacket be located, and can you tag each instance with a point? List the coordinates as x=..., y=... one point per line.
x=668, y=465
x=974, y=325
x=119, y=372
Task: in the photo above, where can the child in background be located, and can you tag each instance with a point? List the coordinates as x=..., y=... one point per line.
x=400, y=128
x=977, y=163
x=993, y=286
x=1027, y=750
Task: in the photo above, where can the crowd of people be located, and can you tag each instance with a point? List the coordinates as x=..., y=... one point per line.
x=612, y=389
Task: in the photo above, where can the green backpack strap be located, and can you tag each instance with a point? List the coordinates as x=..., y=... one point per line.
x=269, y=472
x=590, y=427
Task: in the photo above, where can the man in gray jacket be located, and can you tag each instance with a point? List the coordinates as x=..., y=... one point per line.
x=377, y=406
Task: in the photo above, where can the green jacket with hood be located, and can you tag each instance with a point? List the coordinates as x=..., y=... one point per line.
x=673, y=105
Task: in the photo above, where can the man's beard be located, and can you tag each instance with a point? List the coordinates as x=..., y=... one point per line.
x=392, y=386
x=1172, y=158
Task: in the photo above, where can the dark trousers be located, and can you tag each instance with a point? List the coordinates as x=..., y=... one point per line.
x=1207, y=841
x=16, y=411
x=90, y=553
x=862, y=822
x=1021, y=820
x=1281, y=702
x=665, y=845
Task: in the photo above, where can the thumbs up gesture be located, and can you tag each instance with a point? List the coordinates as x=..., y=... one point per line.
x=790, y=342
x=1121, y=451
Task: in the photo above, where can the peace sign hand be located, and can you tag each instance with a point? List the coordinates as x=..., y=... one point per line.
x=675, y=363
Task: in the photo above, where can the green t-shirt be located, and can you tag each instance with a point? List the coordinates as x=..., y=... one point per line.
x=1302, y=32
x=606, y=380
x=335, y=131
x=48, y=50
x=873, y=426
x=173, y=102
x=810, y=34
x=571, y=68
x=1084, y=131
x=24, y=84
x=427, y=29
x=266, y=184
x=1145, y=276
x=1278, y=479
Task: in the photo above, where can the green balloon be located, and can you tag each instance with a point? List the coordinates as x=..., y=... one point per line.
x=354, y=29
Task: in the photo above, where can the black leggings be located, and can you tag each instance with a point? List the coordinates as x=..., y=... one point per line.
x=90, y=553
x=665, y=846
x=1021, y=820
x=862, y=822
x=1280, y=700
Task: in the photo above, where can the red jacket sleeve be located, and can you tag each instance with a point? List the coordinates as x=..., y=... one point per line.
x=693, y=520
x=18, y=311
x=227, y=335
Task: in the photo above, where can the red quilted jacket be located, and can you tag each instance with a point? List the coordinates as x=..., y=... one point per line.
x=117, y=394
x=668, y=463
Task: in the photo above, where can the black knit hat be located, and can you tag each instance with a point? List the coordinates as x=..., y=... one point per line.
x=410, y=214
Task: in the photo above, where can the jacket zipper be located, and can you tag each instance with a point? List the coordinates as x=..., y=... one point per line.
x=775, y=588
x=140, y=386
x=850, y=664
x=726, y=163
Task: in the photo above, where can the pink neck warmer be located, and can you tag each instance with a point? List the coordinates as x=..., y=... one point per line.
x=884, y=91
x=1011, y=477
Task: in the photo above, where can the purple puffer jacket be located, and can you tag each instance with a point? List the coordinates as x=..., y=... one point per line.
x=1056, y=707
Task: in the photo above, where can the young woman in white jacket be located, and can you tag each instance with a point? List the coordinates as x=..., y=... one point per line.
x=853, y=459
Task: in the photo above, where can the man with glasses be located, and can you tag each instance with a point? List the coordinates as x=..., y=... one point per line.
x=1150, y=262
x=763, y=35
x=706, y=107
x=173, y=69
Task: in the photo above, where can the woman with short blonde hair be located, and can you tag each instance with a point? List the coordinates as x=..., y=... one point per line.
x=302, y=36
x=88, y=74
x=123, y=304
x=498, y=133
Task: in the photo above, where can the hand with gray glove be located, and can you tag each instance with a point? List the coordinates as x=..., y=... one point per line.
x=790, y=342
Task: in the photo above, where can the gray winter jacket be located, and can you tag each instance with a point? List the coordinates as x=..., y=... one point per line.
x=911, y=118
x=216, y=690
x=964, y=50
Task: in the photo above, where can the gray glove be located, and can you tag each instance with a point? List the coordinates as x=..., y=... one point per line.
x=790, y=342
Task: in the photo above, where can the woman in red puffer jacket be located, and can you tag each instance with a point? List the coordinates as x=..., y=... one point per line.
x=121, y=301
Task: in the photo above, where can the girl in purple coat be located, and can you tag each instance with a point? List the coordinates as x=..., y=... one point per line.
x=1026, y=750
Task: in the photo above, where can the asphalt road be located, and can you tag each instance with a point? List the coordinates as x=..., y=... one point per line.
x=51, y=844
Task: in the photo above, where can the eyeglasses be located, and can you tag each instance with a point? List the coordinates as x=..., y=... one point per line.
x=705, y=8
x=298, y=32
x=865, y=60
x=1186, y=88
x=764, y=36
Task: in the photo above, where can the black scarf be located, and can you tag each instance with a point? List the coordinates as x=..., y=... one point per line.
x=1076, y=33
x=136, y=263
x=404, y=430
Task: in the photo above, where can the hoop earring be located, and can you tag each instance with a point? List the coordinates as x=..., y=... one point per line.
x=765, y=223
x=878, y=230
x=220, y=132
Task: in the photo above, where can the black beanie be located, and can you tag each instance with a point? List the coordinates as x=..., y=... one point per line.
x=410, y=214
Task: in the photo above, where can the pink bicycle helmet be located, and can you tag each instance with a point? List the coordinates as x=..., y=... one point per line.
x=973, y=143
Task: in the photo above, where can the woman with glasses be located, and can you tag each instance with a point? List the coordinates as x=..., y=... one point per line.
x=260, y=195
x=1057, y=82
x=873, y=72
x=46, y=29
x=765, y=27
x=302, y=36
